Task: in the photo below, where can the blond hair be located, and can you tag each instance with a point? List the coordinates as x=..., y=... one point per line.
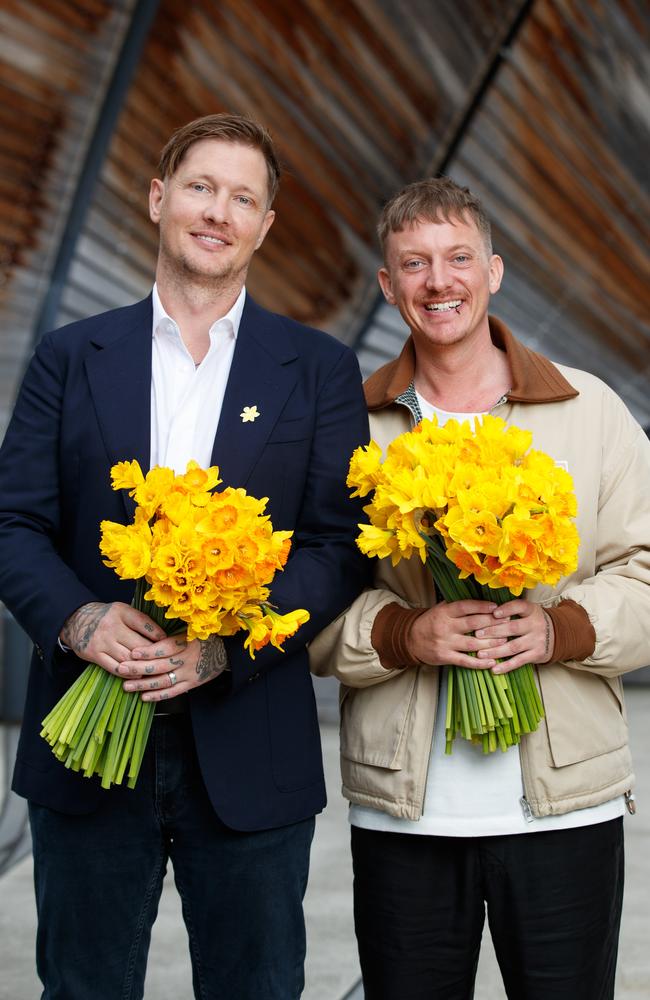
x=435, y=199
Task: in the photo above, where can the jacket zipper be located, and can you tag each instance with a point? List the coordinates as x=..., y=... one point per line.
x=526, y=810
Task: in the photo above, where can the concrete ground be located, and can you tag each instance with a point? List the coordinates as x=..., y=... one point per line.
x=332, y=969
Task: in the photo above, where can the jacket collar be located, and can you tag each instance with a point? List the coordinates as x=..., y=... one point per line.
x=535, y=379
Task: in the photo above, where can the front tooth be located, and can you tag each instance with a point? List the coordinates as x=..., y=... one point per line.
x=443, y=306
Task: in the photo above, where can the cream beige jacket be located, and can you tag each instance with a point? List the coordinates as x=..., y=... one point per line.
x=579, y=756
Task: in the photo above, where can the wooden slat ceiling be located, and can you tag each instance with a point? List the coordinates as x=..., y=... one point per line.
x=356, y=94
x=54, y=59
x=363, y=96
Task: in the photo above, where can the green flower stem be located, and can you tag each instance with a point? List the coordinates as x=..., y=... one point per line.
x=55, y=721
x=96, y=700
x=130, y=729
x=84, y=736
x=485, y=696
x=118, y=717
x=465, y=726
x=77, y=711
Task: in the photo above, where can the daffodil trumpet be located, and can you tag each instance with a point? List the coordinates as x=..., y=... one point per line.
x=203, y=561
x=490, y=517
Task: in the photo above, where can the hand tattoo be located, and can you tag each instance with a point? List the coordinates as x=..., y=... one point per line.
x=547, y=638
x=80, y=627
x=176, y=661
x=212, y=658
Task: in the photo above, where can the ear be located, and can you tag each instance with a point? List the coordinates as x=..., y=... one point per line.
x=156, y=195
x=266, y=225
x=383, y=277
x=496, y=273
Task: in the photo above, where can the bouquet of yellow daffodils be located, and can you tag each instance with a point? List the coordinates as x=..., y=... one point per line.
x=203, y=562
x=489, y=517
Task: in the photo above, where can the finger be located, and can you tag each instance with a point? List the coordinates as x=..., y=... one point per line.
x=512, y=663
x=167, y=695
x=143, y=625
x=460, y=609
x=507, y=649
x=167, y=647
x=519, y=607
x=470, y=644
x=169, y=687
x=159, y=665
x=146, y=668
x=478, y=624
x=159, y=681
x=107, y=662
x=473, y=663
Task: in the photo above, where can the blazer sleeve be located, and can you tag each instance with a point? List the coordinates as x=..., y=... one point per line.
x=325, y=570
x=36, y=584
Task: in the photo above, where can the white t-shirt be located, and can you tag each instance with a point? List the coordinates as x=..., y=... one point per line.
x=469, y=793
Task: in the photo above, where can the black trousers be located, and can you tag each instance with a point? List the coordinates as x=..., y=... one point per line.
x=553, y=903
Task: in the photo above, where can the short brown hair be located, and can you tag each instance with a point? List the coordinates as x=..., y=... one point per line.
x=230, y=128
x=434, y=199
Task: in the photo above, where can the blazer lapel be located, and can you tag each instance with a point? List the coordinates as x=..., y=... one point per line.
x=119, y=375
x=262, y=375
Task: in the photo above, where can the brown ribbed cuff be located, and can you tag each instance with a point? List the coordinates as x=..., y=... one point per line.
x=390, y=634
x=575, y=638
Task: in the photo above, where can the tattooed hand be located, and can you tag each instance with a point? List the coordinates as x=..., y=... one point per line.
x=174, y=666
x=106, y=633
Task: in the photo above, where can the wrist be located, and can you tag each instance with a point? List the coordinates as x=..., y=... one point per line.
x=391, y=636
x=574, y=635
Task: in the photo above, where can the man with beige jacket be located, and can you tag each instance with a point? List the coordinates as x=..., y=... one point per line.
x=535, y=833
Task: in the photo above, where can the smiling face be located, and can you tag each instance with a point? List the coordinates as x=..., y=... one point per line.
x=440, y=276
x=212, y=213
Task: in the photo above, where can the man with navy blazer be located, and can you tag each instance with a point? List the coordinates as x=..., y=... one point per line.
x=232, y=776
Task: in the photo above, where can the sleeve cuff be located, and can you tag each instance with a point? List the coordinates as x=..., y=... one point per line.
x=390, y=635
x=575, y=637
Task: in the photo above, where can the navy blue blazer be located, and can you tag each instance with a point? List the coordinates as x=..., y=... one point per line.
x=84, y=405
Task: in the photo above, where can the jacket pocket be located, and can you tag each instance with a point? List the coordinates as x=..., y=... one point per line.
x=375, y=721
x=585, y=714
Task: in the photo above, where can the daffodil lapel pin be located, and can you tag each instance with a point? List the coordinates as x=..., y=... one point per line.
x=249, y=414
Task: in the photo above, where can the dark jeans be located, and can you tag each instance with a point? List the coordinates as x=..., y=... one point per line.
x=99, y=878
x=553, y=903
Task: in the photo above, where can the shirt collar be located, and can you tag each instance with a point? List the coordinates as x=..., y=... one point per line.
x=163, y=321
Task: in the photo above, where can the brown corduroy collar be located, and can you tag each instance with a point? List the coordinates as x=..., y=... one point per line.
x=535, y=379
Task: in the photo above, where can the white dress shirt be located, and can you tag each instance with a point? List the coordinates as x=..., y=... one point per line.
x=186, y=398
